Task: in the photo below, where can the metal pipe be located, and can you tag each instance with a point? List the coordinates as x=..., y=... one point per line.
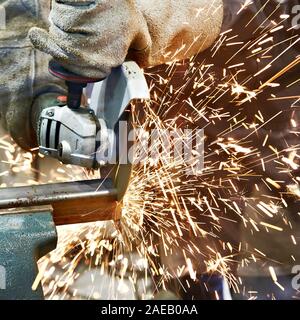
x=72, y=202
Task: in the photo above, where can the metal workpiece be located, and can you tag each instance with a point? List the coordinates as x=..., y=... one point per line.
x=71, y=202
x=24, y=239
x=28, y=219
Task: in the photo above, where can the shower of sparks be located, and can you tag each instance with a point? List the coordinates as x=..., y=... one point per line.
x=168, y=214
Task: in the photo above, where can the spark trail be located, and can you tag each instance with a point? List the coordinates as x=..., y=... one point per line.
x=177, y=224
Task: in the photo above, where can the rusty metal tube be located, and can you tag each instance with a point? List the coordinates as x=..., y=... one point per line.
x=71, y=202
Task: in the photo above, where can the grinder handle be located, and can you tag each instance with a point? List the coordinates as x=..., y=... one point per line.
x=75, y=83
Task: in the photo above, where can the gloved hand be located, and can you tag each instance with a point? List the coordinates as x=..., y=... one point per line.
x=24, y=70
x=92, y=37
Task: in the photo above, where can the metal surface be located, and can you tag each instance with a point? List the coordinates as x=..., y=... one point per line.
x=24, y=238
x=72, y=202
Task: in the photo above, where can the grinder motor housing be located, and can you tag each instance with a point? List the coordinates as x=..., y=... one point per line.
x=75, y=134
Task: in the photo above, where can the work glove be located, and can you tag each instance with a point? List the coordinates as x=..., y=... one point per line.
x=92, y=37
x=24, y=74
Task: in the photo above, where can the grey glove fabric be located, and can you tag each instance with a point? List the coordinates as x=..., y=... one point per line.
x=23, y=69
x=92, y=37
x=180, y=29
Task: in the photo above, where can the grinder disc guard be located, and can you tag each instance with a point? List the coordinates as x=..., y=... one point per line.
x=110, y=100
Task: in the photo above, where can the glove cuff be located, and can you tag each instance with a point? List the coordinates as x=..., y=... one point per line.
x=179, y=30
